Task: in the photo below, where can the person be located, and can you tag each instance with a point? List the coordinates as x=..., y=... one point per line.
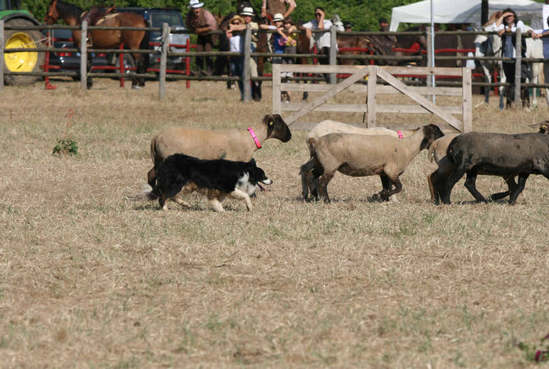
x=383, y=24
x=545, y=38
x=202, y=22
x=235, y=42
x=271, y=7
x=506, y=26
x=348, y=26
x=322, y=39
x=247, y=13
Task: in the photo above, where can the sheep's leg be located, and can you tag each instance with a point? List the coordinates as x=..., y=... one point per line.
x=238, y=194
x=470, y=185
x=307, y=179
x=511, y=184
x=323, y=185
x=520, y=186
x=390, y=192
x=446, y=186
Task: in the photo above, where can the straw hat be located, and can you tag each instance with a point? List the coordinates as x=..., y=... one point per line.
x=236, y=18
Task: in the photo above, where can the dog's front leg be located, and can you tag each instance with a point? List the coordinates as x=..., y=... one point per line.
x=216, y=205
x=238, y=194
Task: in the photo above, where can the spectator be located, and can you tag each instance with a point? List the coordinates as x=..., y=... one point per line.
x=235, y=41
x=506, y=26
x=348, y=26
x=545, y=36
x=202, y=22
x=383, y=25
x=247, y=13
x=322, y=39
x=271, y=7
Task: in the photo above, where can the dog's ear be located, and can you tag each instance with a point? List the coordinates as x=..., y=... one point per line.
x=252, y=162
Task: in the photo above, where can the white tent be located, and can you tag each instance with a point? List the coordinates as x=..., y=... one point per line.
x=463, y=11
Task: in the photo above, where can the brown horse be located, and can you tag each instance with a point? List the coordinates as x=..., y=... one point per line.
x=105, y=39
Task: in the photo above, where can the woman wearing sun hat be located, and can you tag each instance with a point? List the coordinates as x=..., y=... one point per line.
x=202, y=22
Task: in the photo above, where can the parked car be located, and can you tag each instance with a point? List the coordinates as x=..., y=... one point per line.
x=70, y=61
x=155, y=17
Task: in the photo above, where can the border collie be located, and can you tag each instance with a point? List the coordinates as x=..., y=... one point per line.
x=216, y=179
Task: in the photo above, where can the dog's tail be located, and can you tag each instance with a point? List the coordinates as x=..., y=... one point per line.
x=154, y=193
x=148, y=193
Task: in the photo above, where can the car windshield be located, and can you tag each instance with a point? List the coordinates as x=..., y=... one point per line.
x=172, y=19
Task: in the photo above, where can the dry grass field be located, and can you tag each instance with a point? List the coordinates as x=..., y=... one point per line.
x=90, y=278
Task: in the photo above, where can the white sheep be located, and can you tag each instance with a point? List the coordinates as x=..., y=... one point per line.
x=359, y=155
x=325, y=127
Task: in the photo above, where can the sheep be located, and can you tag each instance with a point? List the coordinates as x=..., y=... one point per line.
x=359, y=155
x=437, y=152
x=331, y=126
x=229, y=144
x=505, y=155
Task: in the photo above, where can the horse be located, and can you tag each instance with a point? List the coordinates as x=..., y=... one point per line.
x=105, y=39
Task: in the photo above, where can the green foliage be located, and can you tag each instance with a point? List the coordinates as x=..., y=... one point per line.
x=65, y=146
x=363, y=14
x=536, y=353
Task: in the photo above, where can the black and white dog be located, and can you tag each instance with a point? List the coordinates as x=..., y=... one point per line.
x=216, y=179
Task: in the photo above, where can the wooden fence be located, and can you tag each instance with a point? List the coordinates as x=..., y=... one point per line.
x=165, y=53
x=372, y=90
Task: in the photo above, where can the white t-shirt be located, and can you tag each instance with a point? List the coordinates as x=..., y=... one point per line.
x=235, y=43
x=519, y=25
x=322, y=39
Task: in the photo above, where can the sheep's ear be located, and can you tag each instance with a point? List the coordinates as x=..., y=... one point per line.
x=268, y=120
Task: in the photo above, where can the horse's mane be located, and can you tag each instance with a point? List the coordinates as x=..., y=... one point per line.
x=70, y=9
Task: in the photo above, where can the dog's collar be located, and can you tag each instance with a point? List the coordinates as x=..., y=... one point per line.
x=399, y=133
x=256, y=140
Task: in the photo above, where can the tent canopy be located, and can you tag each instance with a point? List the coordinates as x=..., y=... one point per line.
x=463, y=11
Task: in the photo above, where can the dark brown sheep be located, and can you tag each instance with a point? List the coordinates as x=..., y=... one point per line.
x=504, y=155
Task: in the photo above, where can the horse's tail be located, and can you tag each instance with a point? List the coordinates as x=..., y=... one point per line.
x=144, y=44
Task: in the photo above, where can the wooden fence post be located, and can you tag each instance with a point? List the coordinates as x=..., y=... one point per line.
x=246, y=74
x=1, y=54
x=276, y=89
x=84, y=56
x=163, y=60
x=467, y=100
x=333, y=53
x=372, y=81
x=518, y=63
x=430, y=60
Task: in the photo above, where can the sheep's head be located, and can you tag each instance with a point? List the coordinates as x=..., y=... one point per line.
x=277, y=128
x=431, y=132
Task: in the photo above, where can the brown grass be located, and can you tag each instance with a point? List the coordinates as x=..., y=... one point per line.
x=92, y=279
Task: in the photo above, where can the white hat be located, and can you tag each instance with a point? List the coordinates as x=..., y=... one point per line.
x=247, y=11
x=278, y=18
x=195, y=4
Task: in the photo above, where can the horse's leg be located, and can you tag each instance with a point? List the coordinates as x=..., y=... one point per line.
x=89, y=81
x=488, y=79
x=141, y=62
